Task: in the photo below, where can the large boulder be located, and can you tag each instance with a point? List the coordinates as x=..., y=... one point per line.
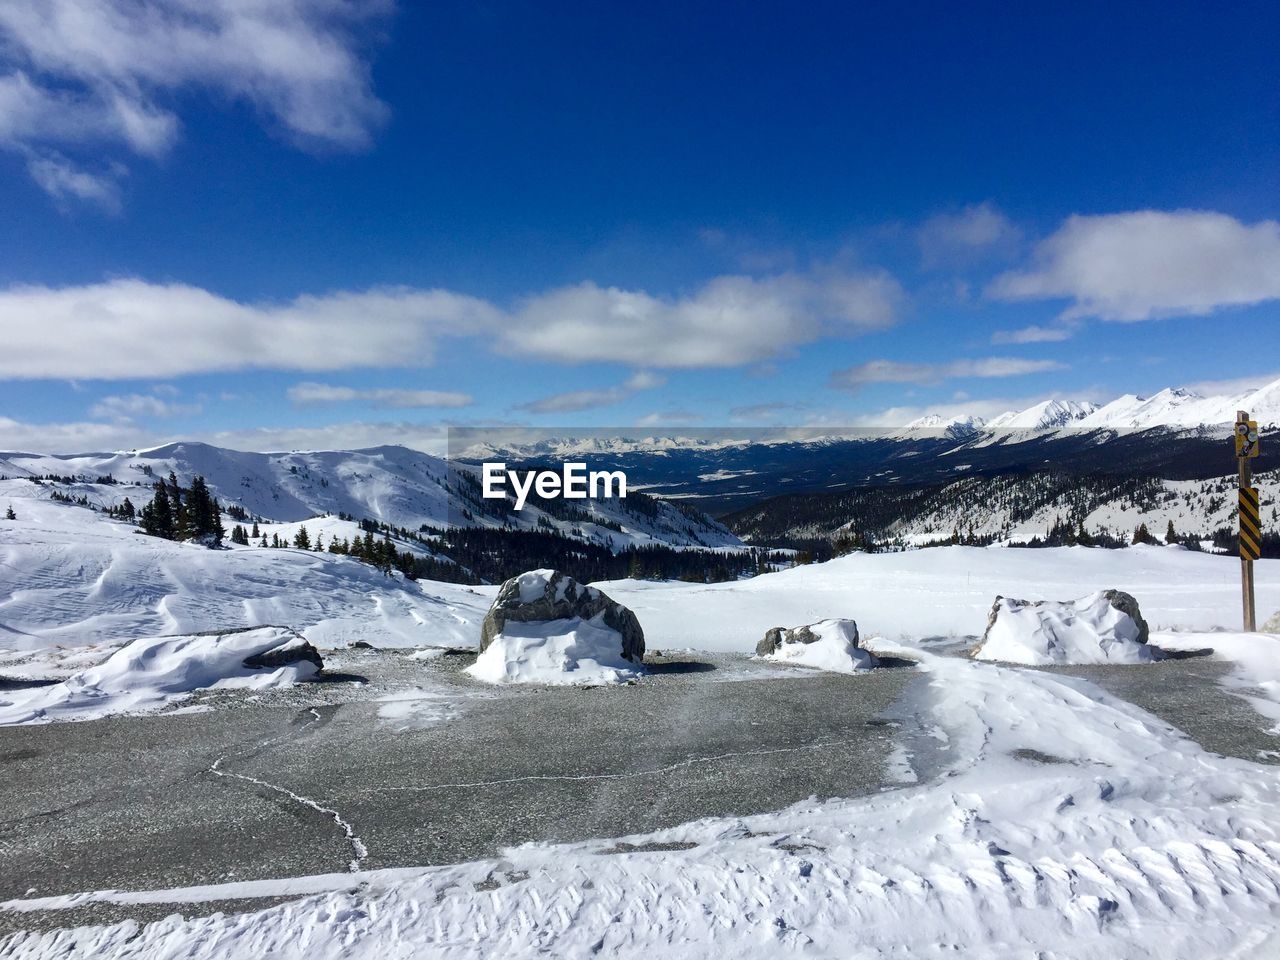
x=541, y=596
x=827, y=645
x=1104, y=627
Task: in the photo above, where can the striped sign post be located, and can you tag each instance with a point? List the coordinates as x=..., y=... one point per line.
x=1250, y=525
x=1246, y=444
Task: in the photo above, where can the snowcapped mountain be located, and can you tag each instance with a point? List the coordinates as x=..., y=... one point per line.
x=402, y=487
x=1171, y=407
x=965, y=425
x=1047, y=415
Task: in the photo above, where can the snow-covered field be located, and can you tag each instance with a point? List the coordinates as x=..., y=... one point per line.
x=1067, y=823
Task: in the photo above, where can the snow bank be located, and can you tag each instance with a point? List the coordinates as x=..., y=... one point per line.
x=149, y=674
x=1092, y=629
x=835, y=649
x=573, y=651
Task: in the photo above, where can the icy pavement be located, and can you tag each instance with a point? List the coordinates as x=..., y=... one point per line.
x=408, y=762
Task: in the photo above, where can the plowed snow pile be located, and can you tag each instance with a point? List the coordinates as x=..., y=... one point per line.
x=1089, y=630
x=572, y=651
x=151, y=673
x=835, y=650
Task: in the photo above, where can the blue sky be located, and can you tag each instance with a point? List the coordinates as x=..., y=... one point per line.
x=320, y=224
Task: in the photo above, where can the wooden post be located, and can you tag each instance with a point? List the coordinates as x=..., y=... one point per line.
x=1246, y=565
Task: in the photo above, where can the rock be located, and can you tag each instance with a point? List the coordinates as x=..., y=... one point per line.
x=1272, y=625
x=1104, y=627
x=777, y=636
x=827, y=645
x=540, y=596
x=298, y=650
x=1127, y=603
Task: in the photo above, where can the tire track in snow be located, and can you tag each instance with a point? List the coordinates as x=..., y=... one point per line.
x=359, y=850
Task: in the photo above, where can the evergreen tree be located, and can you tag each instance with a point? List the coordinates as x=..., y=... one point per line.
x=264, y=541
x=127, y=510
x=179, y=508
x=1170, y=534
x=255, y=533
x=302, y=539
x=1142, y=535
x=9, y=514
x=157, y=516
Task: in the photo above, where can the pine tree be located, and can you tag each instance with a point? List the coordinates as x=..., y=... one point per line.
x=302, y=539
x=180, y=510
x=157, y=516
x=255, y=533
x=9, y=514
x=1142, y=535
x=126, y=509
x=1170, y=534
x=264, y=541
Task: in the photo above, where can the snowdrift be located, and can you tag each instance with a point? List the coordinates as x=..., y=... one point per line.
x=827, y=645
x=152, y=673
x=1094, y=629
x=573, y=651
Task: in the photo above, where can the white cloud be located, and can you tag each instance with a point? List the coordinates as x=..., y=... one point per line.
x=731, y=320
x=94, y=73
x=65, y=181
x=1233, y=386
x=129, y=328
x=670, y=418
x=1036, y=334
x=1148, y=264
x=890, y=371
x=134, y=405
x=574, y=400
x=94, y=437
x=958, y=239
x=314, y=394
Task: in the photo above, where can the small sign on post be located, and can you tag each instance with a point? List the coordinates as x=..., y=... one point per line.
x=1246, y=442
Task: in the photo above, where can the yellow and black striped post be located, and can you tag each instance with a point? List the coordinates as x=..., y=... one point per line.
x=1246, y=443
x=1250, y=525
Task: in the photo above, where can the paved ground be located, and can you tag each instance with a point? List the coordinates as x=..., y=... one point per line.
x=309, y=780
x=256, y=788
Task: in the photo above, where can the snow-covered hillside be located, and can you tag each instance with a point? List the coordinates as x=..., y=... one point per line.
x=69, y=576
x=399, y=486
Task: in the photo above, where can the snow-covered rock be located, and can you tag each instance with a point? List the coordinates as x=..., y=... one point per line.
x=561, y=652
x=153, y=672
x=545, y=627
x=1272, y=625
x=1104, y=627
x=541, y=596
x=827, y=645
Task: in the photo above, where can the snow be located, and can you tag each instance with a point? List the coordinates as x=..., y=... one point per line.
x=1067, y=823
x=1088, y=630
x=70, y=577
x=572, y=651
x=836, y=649
x=944, y=592
x=152, y=673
